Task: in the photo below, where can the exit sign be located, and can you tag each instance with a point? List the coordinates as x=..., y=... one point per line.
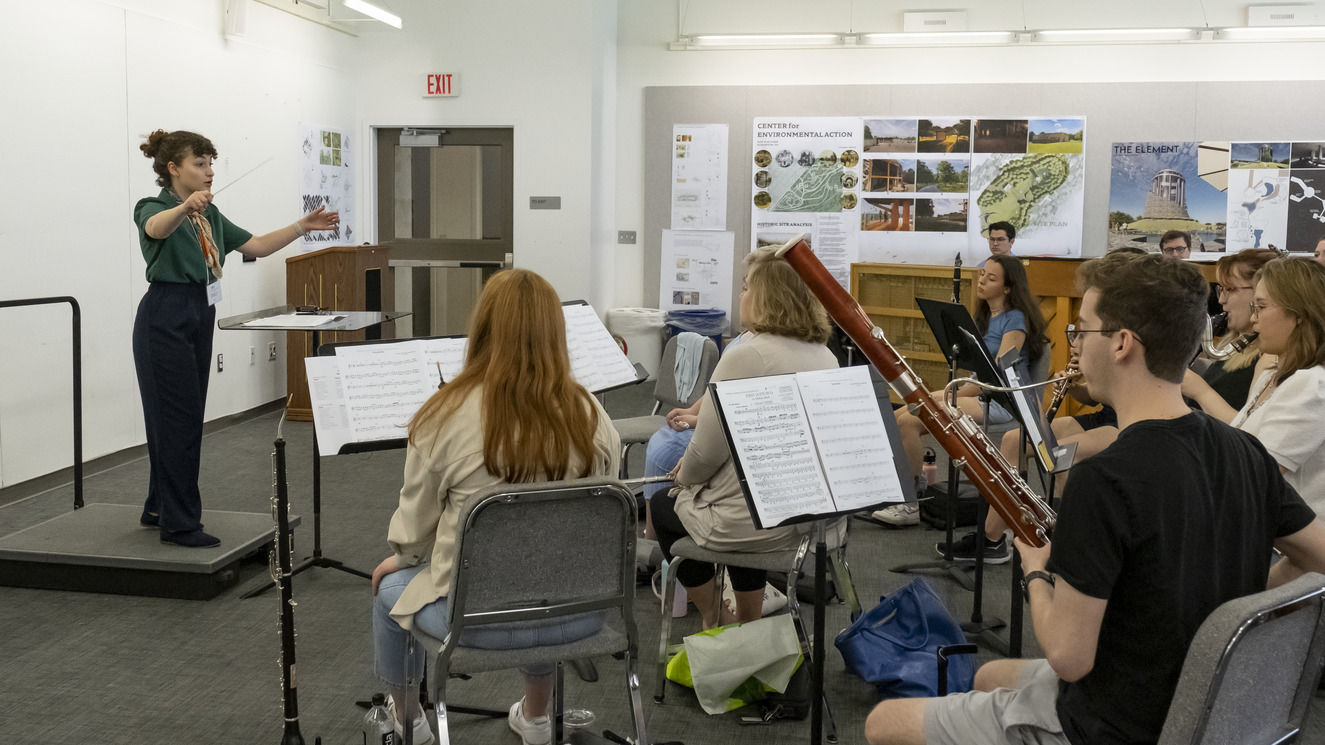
x=438, y=84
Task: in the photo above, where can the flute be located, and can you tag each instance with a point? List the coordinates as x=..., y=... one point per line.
x=998, y=482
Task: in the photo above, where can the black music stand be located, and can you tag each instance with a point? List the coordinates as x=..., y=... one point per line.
x=955, y=331
x=342, y=320
x=820, y=521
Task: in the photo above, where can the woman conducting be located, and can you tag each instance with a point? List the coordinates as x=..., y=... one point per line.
x=513, y=415
x=789, y=328
x=185, y=239
x=1283, y=409
x=1010, y=321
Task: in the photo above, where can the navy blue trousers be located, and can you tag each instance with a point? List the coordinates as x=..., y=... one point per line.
x=172, y=350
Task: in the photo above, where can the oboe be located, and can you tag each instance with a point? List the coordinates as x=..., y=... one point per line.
x=997, y=481
x=281, y=566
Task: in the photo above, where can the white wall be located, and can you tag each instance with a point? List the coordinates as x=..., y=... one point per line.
x=83, y=82
x=647, y=27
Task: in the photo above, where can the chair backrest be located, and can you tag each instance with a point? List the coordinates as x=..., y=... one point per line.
x=1252, y=668
x=543, y=550
x=665, y=389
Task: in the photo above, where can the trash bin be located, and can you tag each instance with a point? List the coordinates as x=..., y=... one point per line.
x=709, y=322
x=642, y=331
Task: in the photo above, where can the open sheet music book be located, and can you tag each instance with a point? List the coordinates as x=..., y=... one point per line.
x=369, y=392
x=808, y=445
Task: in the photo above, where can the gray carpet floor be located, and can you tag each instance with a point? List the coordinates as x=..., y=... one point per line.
x=94, y=668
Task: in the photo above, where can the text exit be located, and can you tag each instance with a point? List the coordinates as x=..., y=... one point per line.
x=441, y=84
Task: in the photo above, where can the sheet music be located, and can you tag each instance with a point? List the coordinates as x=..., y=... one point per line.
x=448, y=354
x=595, y=359
x=384, y=384
x=331, y=418
x=769, y=430
x=301, y=320
x=849, y=433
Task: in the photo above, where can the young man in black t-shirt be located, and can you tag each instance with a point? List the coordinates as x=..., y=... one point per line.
x=1175, y=518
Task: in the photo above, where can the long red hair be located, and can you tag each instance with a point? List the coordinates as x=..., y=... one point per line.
x=534, y=413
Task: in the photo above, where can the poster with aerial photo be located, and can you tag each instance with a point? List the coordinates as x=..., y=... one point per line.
x=1257, y=207
x=931, y=185
x=1155, y=187
x=813, y=174
x=1041, y=194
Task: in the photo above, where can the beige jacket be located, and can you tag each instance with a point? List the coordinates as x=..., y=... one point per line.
x=709, y=500
x=443, y=470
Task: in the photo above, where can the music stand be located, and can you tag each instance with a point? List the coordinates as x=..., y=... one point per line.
x=955, y=331
x=745, y=463
x=270, y=319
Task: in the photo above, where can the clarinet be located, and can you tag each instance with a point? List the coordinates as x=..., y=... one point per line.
x=1064, y=382
x=281, y=567
x=998, y=482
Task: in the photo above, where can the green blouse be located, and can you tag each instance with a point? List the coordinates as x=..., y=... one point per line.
x=178, y=256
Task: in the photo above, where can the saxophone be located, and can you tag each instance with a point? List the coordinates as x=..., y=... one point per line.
x=1229, y=347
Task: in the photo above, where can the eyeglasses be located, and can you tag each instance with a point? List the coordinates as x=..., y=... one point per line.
x=1002, y=239
x=1074, y=333
x=1170, y=250
x=1256, y=308
x=1230, y=289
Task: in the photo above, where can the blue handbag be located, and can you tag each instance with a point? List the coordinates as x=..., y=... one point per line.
x=895, y=645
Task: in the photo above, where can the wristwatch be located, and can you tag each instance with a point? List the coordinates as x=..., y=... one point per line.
x=1030, y=576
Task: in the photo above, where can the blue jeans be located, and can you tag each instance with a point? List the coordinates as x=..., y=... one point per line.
x=391, y=642
x=664, y=450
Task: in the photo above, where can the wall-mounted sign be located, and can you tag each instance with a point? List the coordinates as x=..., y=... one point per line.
x=441, y=84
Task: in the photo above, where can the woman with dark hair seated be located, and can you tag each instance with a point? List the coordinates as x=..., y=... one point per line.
x=788, y=330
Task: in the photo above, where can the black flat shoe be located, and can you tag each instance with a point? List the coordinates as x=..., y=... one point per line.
x=150, y=520
x=191, y=539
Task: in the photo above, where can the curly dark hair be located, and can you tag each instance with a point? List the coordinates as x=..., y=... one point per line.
x=165, y=148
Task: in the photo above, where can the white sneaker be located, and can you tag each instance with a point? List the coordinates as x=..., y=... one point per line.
x=899, y=515
x=422, y=730
x=535, y=732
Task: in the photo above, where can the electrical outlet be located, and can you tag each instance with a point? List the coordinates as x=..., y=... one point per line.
x=625, y=237
x=271, y=351
x=252, y=355
x=220, y=362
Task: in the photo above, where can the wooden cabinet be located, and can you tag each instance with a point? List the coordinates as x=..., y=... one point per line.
x=888, y=292
x=337, y=278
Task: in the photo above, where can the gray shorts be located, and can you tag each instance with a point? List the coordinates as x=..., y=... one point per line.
x=1025, y=715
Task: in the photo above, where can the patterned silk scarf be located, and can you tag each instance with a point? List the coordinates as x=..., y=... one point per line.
x=210, y=254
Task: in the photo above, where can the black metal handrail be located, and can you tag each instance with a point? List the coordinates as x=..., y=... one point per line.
x=78, y=381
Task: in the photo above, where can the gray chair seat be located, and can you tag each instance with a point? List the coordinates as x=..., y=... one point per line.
x=637, y=429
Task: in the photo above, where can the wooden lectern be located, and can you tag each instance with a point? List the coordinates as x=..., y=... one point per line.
x=336, y=278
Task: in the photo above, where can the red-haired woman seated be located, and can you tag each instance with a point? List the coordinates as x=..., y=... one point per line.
x=513, y=415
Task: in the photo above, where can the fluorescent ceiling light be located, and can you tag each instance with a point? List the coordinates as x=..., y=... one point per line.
x=766, y=40
x=940, y=37
x=373, y=11
x=1116, y=34
x=1265, y=33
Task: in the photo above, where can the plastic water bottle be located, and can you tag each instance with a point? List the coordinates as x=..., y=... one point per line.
x=378, y=729
x=930, y=473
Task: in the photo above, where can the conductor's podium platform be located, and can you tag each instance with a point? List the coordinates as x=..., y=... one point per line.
x=101, y=548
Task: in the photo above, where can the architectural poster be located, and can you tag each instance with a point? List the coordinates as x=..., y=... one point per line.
x=918, y=189
x=1227, y=196
x=699, y=177
x=326, y=180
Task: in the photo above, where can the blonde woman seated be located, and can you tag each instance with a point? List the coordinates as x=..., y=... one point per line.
x=513, y=415
x=789, y=328
x=1284, y=409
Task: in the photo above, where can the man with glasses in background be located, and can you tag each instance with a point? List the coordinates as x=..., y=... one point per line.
x=1001, y=237
x=1176, y=244
x=1156, y=531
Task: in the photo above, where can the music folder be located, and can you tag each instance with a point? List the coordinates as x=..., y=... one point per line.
x=807, y=445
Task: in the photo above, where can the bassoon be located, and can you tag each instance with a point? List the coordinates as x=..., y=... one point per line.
x=971, y=450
